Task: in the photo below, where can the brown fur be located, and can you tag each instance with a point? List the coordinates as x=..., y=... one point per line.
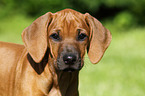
x=32, y=69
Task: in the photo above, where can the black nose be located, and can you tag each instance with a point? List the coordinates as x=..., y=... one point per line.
x=69, y=59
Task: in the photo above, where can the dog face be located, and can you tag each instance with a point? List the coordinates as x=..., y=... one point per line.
x=68, y=39
x=68, y=34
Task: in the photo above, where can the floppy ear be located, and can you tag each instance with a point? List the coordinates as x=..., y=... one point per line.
x=35, y=37
x=100, y=38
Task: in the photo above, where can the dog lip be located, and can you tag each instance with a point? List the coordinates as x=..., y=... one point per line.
x=71, y=69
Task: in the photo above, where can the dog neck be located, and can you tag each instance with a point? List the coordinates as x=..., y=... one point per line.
x=68, y=82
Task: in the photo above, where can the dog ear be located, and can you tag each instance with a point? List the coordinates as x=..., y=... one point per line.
x=100, y=38
x=35, y=37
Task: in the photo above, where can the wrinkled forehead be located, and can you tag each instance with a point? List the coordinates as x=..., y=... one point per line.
x=69, y=22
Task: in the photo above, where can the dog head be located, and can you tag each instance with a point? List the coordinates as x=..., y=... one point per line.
x=68, y=34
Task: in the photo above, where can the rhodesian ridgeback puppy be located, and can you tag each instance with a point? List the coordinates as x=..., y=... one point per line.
x=48, y=63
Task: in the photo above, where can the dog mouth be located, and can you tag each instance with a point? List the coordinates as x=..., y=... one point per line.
x=70, y=68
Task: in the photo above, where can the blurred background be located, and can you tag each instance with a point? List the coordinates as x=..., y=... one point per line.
x=121, y=72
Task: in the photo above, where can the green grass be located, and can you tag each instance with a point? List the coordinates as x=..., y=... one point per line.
x=121, y=72
x=12, y=27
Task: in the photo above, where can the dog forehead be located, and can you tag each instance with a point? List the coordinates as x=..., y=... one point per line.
x=70, y=21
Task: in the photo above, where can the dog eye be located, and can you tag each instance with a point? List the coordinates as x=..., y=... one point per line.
x=82, y=37
x=55, y=36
